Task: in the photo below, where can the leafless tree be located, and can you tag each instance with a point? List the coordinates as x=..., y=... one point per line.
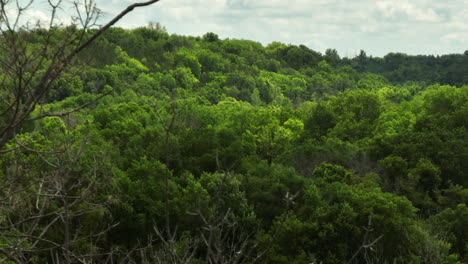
x=47, y=200
x=41, y=210
x=160, y=249
x=34, y=53
x=220, y=240
x=367, y=245
x=226, y=241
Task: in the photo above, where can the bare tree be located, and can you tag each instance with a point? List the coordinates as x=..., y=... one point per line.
x=226, y=241
x=367, y=245
x=47, y=199
x=160, y=249
x=33, y=54
x=41, y=210
x=220, y=240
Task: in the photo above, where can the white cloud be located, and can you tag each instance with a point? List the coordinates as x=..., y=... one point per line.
x=37, y=15
x=455, y=37
x=398, y=8
x=377, y=26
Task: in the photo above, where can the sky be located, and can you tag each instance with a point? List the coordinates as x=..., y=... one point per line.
x=377, y=27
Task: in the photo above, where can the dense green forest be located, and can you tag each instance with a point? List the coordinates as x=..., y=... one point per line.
x=203, y=150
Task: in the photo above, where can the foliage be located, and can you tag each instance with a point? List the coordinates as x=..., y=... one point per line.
x=226, y=151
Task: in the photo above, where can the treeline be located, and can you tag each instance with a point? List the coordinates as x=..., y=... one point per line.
x=449, y=69
x=225, y=151
x=398, y=68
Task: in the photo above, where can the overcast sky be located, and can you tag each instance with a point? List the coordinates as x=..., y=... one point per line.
x=378, y=27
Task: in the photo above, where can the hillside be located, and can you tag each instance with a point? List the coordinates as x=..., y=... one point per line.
x=204, y=150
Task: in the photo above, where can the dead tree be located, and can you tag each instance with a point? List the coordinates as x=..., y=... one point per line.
x=47, y=199
x=220, y=240
x=226, y=241
x=160, y=249
x=367, y=245
x=33, y=54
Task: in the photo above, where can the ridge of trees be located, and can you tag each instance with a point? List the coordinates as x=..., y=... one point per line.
x=226, y=151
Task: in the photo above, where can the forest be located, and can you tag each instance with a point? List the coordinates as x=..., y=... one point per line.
x=153, y=147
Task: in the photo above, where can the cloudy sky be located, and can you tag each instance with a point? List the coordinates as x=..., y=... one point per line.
x=376, y=26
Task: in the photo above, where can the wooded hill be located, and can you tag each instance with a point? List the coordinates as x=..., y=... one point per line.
x=225, y=151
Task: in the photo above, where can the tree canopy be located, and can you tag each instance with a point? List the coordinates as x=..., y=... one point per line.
x=206, y=150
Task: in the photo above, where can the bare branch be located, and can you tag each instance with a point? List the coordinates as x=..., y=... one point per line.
x=365, y=244
x=23, y=66
x=127, y=10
